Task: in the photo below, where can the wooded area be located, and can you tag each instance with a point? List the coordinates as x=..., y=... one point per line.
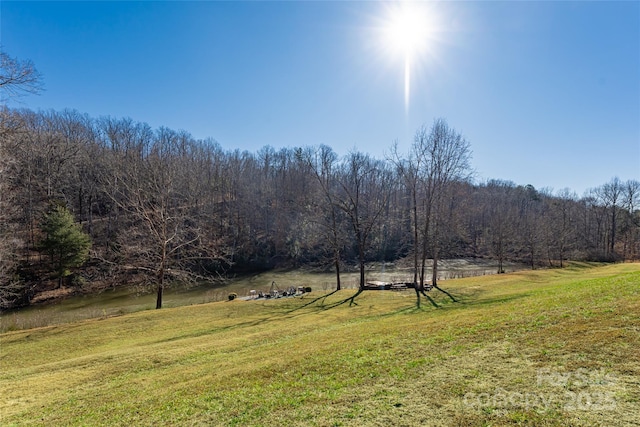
x=157, y=204
x=160, y=205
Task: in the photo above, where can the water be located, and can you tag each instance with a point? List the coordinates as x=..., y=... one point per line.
x=128, y=300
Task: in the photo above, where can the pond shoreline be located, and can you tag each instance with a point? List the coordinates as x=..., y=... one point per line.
x=68, y=304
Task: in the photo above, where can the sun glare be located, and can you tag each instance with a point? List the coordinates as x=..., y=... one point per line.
x=406, y=30
x=406, y=33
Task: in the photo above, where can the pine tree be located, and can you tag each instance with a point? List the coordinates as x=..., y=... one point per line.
x=65, y=242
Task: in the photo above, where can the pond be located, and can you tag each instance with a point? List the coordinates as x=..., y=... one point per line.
x=128, y=300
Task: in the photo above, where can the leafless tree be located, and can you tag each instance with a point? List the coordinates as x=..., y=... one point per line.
x=500, y=211
x=444, y=159
x=610, y=195
x=364, y=193
x=563, y=223
x=153, y=188
x=11, y=289
x=323, y=163
x=631, y=231
x=17, y=77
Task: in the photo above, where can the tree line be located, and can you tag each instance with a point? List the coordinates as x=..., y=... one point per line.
x=159, y=205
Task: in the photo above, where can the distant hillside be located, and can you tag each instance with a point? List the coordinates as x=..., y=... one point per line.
x=161, y=206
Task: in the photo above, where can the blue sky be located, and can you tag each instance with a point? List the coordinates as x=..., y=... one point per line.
x=547, y=93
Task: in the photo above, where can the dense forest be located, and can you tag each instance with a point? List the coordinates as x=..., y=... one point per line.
x=159, y=205
x=88, y=203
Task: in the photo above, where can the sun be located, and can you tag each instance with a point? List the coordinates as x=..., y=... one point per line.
x=407, y=31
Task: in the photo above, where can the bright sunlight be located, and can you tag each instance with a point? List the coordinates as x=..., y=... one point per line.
x=407, y=31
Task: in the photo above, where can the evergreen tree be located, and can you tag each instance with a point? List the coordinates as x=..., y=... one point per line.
x=65, y=242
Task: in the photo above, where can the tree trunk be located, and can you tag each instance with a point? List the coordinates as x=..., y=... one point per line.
x=160, y=285
x=613, y=230
x=337, y=270
x=436, y=249
x=159, y=297
x=415, y=245
x=90, y=215
x=425, y=245
x=434, y=273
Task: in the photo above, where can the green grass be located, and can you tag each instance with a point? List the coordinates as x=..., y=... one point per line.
x=536, y=348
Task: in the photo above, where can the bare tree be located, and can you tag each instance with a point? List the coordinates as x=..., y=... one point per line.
x=152, y=186
x=323, y=162
x=17, y=77
x=562, y=227
x=612, y=192
x=631, y=232
x=610, y=195
x=409, y=170
x=445, y=158
x=500, y=213
x=11, y=288
x=364, y=192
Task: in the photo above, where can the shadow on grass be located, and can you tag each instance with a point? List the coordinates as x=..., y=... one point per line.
x=445, y=292
x=412, y=309
x=496, y=300
x=317, y=304
x=351, y=299
x=290, y=314
x=433, y=303
x=431, y=300
x=322, y=297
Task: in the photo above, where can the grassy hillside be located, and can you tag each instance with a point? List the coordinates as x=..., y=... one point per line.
x=556, y=347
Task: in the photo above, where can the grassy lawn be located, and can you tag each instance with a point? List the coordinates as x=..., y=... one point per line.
x=549, y=347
